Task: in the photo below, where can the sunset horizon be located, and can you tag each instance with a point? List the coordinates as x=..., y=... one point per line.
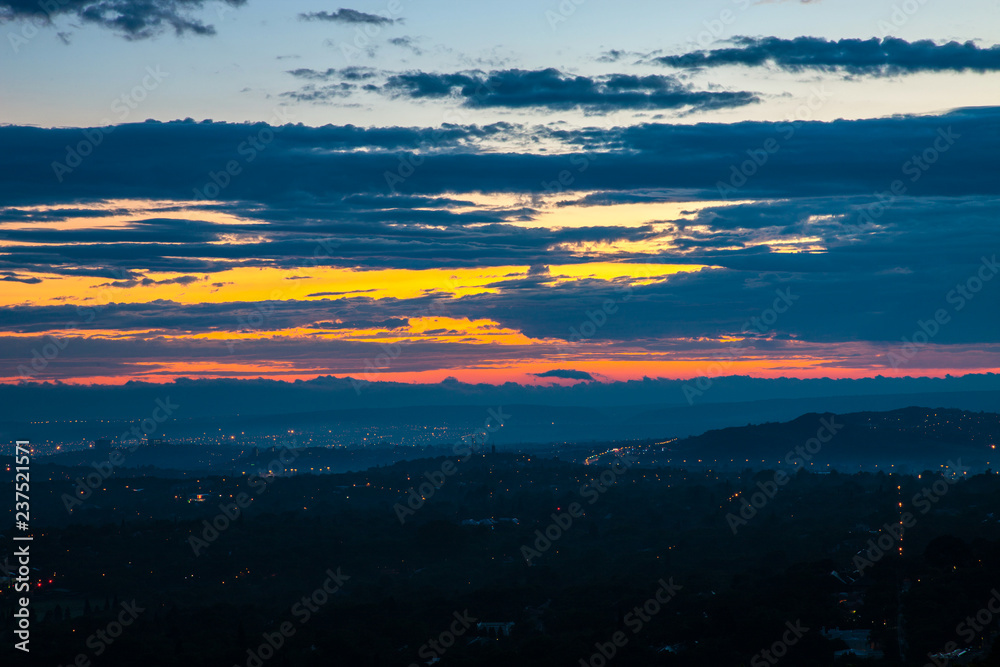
x=535, y=332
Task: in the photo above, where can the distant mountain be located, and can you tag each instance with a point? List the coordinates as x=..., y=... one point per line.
x=909, y=439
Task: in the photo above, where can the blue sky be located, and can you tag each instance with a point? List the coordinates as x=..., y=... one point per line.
x=239, y=73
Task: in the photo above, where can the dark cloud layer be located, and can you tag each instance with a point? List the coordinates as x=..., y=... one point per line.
x=371, y=234
x=325, y=196
x=873, y=282
x=873, y=56
x=302, y=167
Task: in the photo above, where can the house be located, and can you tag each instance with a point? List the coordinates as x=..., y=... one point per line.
x=496, y=629
x=858, y=642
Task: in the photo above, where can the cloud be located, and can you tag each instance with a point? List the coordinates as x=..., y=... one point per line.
x=134, y=19
x=612, y=56
x=358, y=291
x=870, y=282
x=347, y=16
x=14, y=278
x=515, y=88
x=373, y=244
x=888, y=56
x=550, y=88
x=146, y=282
x=407, y=43
x=312, y=93
x=565, y=374
x=392, y=323
x=309, y=171
x=345, y=73
x=539, y=270
x=318, y=197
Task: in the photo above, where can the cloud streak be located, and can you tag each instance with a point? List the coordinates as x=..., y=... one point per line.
x=874, y=57
x=565, y=374
x=552, y=89
x=306, y=166
x=347, y=16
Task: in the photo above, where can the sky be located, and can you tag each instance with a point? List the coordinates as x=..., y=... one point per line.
x=543, y=193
